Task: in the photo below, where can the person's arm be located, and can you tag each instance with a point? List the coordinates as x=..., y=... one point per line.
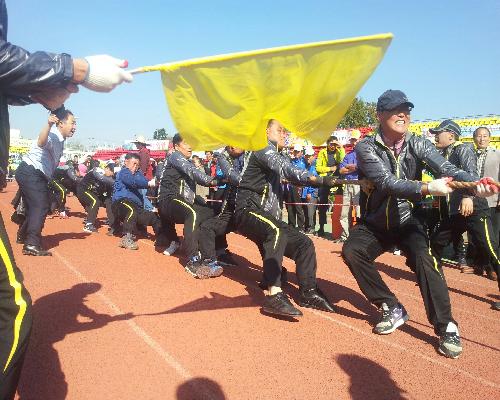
x=133, y=181
x=98, y=174
x=228, y=170
x=274, y=161
x=383, y=179
x=43, y=136
x=322, y=163
x=183, y=165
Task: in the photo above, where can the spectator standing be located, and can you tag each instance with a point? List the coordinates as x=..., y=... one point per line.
x=327, y=164
x=201, y=190
x=310, y=194
x=293, y=194
x=348, y=169
x=488, y=164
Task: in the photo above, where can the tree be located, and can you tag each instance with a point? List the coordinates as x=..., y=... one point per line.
x=160, y=134
x=360, y=113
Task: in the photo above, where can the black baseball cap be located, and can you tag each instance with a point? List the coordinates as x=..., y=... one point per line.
x=391, y=99
x=447, y=125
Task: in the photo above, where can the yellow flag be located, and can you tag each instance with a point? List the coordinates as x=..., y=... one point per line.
x=228, y=99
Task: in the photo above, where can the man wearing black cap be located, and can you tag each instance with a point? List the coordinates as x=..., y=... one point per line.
x=393, y=159
x=460, y=211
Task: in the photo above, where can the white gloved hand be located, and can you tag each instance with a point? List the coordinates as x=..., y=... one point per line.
x=439, y=187
x=152, y=182
x=486, y=187
x=105, y=73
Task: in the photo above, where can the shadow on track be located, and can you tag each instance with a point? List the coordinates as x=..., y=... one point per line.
x=369, y=380
x=200, y=389
x=55, y=316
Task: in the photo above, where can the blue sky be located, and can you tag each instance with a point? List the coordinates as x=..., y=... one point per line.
x=445, y=54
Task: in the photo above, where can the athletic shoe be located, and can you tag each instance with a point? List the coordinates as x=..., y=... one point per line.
x=172, y=248
x=496, y=305
x=227, y=260
x=128, y=243
x=90, y=228
x=195, y=268
x=315, y=298
x=215, y=269
x=63, y=215
x=491, y=275
x=391, y=319
x=279, y=304
x=449, y=342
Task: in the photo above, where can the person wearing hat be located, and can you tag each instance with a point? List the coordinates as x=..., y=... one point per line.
x=393, y=159
x=350, y=196
x=94, y=191
x=292, y=195
x=145, y=167
x=461, y=211
x=310, y=193
x=327, y=164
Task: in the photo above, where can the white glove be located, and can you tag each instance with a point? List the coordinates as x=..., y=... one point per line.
x=486, y=187
x=105, y=73
x=152, y=182
x=439, y=187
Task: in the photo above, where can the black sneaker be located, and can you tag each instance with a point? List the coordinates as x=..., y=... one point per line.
x=496, y=305
x=391, y=319
x=279, y=304
x=195, y=268
x=315, y=298
x=90, y=228
x=449, y=342
x=215, y=269
x=227, y=260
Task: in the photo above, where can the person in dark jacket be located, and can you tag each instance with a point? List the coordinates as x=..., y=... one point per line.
x=128, y=205
x=258, y=217
x=461, y=211
x=178, y=203
x=94, y=191
x=214, y=230
x=48, y=79
x=393, y=159
x=64, y=180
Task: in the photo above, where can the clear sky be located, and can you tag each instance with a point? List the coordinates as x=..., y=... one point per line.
x=445, y=54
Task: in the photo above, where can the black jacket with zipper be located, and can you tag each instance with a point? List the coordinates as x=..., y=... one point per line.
x=397, y=181
x=260, y=185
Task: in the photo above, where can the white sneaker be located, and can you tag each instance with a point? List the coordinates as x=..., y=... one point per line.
x=172, y=248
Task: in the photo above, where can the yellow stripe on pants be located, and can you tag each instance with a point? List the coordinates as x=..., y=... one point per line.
x=93, y=198
x=18, y=298
x=191, y=208
x=490, y=246
x=270, y=223
x=63, y=192
x=131, y=211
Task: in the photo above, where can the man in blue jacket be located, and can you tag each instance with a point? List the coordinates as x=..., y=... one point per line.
x=128, y=203
x=48, y=79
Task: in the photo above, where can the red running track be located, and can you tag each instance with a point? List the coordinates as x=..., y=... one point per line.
x=117, y=324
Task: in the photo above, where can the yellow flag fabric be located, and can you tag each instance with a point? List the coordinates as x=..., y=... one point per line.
x=228, y=99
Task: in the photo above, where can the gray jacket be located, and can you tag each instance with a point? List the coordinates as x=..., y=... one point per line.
x=491, y=168
x=397, y=180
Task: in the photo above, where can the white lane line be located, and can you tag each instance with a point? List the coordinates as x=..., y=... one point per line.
x=452, y=368
x=167, y=357
x=395, y=345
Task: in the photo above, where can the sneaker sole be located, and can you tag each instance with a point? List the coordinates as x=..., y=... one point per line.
x=449, y=354
x=201, y=273
x=395, y=326
x=272, y=311
x=215, y=274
